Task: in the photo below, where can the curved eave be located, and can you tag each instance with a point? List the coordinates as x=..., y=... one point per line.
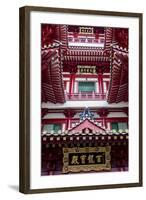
x=52, y=84
x=118, y=88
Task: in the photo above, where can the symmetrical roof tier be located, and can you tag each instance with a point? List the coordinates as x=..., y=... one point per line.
x=57, y=56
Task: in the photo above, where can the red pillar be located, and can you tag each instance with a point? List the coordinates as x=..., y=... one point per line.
x=100, y=84
x=103, y=114
x=66, y=126
x=71, y=85
x=69, y=115
x=104, y=122
x=102, y=90
x=107, y=84
x=101, y=81
x=68, y=123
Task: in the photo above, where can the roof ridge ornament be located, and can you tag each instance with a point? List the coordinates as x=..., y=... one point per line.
x=86, y=114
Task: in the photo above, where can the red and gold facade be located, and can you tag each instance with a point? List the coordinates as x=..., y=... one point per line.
x=84, y=99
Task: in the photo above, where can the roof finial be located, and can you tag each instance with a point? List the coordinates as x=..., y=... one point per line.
x=86, y=114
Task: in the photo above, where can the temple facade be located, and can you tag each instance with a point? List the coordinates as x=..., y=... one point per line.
x=84, y=100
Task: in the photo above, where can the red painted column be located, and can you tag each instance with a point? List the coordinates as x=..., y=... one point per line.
x=68, y=123
x=107, y=84
x=99, y=84
x=104, y=122
x=71, y=85
x=103, y=114
x=69, y=115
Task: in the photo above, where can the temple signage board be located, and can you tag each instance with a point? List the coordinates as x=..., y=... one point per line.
x=86, y=69
x=87, y=159
x=86, y=30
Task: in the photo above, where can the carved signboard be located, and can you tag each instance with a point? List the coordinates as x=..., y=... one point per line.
x=86, y=30
x=86, y=69
x=87, y=159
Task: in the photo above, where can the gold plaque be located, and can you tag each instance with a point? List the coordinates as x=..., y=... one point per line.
x=85, y=159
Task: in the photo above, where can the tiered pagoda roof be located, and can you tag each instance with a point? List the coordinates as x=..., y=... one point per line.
x=57, y=56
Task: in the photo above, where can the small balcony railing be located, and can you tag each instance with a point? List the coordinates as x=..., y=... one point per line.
x=86, y=96
x=85, y=40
